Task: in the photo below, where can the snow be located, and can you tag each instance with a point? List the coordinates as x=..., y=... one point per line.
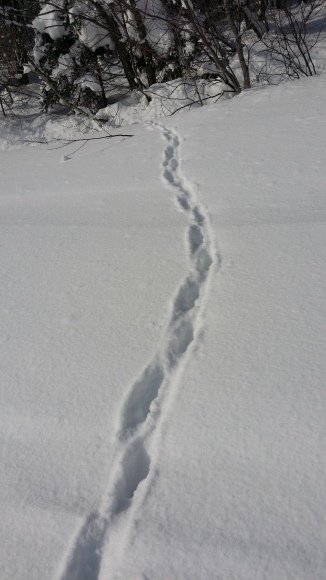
x=158, y=32
x=165, y=99
x=90, y=33
x=156, y=27
x=163, y=317
x=89, y=81
x=94, y=36
x=50, y=20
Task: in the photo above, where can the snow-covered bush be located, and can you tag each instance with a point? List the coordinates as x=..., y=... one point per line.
x=90, y=54
x=65, y=57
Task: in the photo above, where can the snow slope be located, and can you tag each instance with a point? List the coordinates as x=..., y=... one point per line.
x=163, y=322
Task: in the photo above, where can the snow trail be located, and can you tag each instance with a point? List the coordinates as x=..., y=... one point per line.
x=142, y=411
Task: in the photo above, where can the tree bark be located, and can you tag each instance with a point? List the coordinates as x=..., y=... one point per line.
x=144, y=46
x=113, y=29
x=235, y=32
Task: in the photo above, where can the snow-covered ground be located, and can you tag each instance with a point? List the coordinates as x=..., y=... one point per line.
x=163, y=333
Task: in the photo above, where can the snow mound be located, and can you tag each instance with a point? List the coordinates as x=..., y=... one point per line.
x=161, y=100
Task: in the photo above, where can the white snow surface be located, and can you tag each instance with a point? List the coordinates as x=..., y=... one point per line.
x=163, y=332
x=50, y=20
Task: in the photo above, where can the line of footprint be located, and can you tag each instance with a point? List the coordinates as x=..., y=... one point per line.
x=142, y=408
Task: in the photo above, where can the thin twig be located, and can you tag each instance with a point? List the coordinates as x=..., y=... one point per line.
x=70, y=141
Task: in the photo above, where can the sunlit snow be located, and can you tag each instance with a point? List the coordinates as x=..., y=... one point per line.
x=163, y=333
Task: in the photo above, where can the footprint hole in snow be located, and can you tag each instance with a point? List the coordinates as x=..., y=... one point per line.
x=196, y=238
x=85, y=560
x=135, y=467
x=174, y=164
x=186, y=298
x=203, y=261
x=139, y=400
x=168, y=155
x=199, y=218
x=182, y=336
x=183, y=202
x=169, y=176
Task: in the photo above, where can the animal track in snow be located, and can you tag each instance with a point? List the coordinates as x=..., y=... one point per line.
x=181, y=331
x=196, y=238
x=186, y=297
x=134, y=469
x=182, y=336
x=182, y=200
x=137, y=422
x=85, y=558
x=143, y=392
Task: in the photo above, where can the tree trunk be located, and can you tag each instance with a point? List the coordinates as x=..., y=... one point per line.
x=144, y=46
x=112, y=27
x=235, y=32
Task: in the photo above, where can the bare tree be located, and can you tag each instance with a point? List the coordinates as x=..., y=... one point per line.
x=295, y=30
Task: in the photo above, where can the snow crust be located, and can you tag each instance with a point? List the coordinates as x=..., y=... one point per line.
x=163, y=317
